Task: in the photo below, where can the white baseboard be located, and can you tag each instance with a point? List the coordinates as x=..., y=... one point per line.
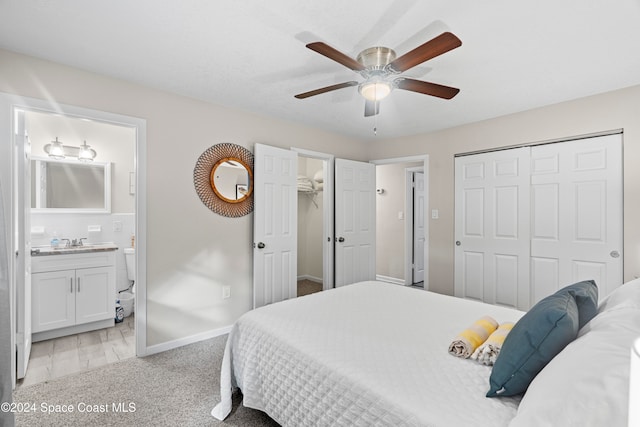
x=310, y=278
x=387, y=279
x=169, y=345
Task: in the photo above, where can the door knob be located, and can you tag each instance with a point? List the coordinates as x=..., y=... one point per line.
x=458, y=242
x=340, y=239
x=614, y=254
x=261, y=245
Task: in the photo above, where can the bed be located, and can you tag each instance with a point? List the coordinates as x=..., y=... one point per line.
x=374, y=353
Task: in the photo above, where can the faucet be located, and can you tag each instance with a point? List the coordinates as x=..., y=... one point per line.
x=68, y=244
x=75, y=242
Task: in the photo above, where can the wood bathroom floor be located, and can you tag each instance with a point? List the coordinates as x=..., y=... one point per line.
x=76, y=353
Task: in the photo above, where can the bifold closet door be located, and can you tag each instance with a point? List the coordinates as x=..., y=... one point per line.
x=534, y=219
x=492, y=227
x=576, y=215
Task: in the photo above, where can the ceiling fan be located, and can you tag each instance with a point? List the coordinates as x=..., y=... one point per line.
x=381, y=71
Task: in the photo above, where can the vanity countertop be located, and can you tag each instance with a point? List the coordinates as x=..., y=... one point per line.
x=89, y=247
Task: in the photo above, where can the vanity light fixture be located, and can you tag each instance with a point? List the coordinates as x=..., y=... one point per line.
x=86, y=153
x=57, y=151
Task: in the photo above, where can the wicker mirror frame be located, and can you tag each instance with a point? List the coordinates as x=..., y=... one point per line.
x=203, y=179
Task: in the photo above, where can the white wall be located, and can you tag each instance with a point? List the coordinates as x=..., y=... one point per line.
x=608, y=111
x=192, y=252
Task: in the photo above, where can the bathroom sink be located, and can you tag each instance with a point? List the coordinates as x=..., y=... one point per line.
x=88, y=247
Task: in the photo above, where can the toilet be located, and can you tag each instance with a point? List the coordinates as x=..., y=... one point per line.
x=127, y=298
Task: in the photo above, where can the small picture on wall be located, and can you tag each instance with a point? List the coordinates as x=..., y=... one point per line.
x=241, y=191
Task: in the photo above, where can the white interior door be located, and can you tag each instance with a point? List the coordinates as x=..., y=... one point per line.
x=22, y=195
x=275, y=225
x=576, y=214
x=419, y=235
x=492, y=227
x=355, y=222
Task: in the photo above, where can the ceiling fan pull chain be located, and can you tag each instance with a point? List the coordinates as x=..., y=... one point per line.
x=375, y=122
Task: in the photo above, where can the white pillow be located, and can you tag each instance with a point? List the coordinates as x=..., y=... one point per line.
x=626, y=295
x=319, y=176
x=587, y=383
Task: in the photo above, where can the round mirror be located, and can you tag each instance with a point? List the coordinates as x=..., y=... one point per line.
x=223, y=178
x=231, y=180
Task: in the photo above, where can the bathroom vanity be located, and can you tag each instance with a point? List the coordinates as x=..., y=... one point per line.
x=73, y=290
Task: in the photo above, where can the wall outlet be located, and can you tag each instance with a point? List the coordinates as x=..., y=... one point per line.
x=226, y=292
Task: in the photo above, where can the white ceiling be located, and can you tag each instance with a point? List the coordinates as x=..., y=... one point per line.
x=251, y=54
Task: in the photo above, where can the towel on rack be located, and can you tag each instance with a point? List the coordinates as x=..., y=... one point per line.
x=465, y=343
x=489, y=350
x=319, y=176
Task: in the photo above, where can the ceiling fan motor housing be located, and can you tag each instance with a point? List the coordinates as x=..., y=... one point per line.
x=376, y=58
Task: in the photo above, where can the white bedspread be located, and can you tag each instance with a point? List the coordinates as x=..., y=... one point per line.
x=367, y=354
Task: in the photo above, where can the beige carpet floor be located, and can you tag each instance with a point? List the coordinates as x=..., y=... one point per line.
x=175, y=388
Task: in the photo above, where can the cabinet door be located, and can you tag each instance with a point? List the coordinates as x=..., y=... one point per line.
x=95, y=294
x=53, y=300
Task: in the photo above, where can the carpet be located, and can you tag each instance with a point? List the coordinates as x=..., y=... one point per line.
x=178, y=387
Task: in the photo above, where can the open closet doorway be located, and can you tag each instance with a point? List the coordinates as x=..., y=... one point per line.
x=102, y=220
x=315, y=222
x=415, y=233
x=401, y=221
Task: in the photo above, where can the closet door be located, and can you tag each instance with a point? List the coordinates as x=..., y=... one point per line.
x=275, y=225
x=576, y=224
x=355, y=222
x=492, y=227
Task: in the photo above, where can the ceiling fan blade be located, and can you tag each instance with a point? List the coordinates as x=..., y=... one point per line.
x=371, y=108
x=433, y=89
x=434, y=47
x=339, y=57
x=325, y=89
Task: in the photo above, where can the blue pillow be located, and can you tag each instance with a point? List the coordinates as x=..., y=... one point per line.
x=535, y=339
x=586, y=296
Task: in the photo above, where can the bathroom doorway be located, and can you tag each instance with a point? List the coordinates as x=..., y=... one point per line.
x=117, y=143
x=402, y=201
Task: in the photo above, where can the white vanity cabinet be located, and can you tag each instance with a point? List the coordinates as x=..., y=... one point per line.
x=72, y=293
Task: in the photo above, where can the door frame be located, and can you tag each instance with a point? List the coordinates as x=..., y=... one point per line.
x=408, y=250
x=409, y=236
x=11, y=103
x=327, y=214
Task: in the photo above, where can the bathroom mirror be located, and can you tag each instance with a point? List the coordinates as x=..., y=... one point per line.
x=231, y=180
x=70, y=186
x=223, y=178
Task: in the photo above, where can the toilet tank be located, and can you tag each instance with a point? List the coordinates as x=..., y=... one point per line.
x=130, y=261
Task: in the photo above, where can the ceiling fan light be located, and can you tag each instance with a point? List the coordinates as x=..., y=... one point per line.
x=375, y=91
